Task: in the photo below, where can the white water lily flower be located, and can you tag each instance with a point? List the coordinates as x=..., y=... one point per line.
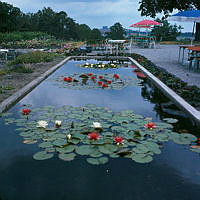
x=58, y=123
x=69, y=136
x=96, y=125
x=87, y=64
x=42, y=124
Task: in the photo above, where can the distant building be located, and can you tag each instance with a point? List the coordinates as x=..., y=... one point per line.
x=104, y=30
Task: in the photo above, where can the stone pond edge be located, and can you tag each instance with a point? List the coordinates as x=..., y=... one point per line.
x=178, y=101
x=7, y=103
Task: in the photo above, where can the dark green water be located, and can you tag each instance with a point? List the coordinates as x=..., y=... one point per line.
x=172, y=175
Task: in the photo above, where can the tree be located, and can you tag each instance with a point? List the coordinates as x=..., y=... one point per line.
x=8, y=17
x=116, y=32
x=166, y=32
x=84, y=32
x=95, y=34
x=152, y=7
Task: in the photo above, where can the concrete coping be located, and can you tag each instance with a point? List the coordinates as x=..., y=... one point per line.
x=7, y=103
x=178, y=101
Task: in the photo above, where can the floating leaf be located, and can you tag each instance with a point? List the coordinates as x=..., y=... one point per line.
x=170, y=120
x=97, y=161
x=42, y=155
x=67, y=157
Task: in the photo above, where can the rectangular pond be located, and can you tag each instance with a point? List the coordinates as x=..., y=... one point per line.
x=118, y=139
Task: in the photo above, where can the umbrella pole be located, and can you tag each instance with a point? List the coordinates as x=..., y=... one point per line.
x=193, y=32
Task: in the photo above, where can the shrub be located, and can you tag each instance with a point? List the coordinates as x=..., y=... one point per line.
x=33, y=57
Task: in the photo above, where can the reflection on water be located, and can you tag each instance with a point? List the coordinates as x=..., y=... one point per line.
x=175, y=174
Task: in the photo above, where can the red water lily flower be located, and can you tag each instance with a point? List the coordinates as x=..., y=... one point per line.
x=93, y=77
x=150, y=125
x=100, y=77
x=104, y=85
x=26, y=111
x=109, y=82
x=100, y=83
x=93, y=136
x=116, y=76
x=68, y=79
x=90, y=74
x=118, y=140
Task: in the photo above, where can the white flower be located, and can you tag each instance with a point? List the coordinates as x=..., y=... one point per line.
x=58, y=123
x=87, y=64
x=69, y=136
x=96, y=125
x=42, y=124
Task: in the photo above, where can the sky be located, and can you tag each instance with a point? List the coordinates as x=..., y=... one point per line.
x=94, y=13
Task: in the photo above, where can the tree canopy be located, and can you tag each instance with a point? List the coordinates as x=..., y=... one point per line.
x=151, y=8
x=116, y=32
x=57, y=24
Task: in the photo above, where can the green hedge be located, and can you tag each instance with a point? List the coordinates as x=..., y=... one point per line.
x=34, y=57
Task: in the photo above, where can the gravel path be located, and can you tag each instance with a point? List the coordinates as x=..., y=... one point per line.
x=166, y=57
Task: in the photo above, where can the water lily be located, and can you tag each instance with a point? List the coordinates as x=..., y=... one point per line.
x=93, y=136
x=104, y=85
x=68, y=79
x=100, y=77
x=42, y=124
x=100, y=83
x=58, y=123
x=109, y=82
x=96, y=125
x=93, y=77
x=118, y=140
x=116, y=76
x=26, y=111
x=90, y=74
x=150, y=125
x=69, y=136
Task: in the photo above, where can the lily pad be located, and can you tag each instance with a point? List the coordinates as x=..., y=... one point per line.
x=97, y=161
x=42, y=155
x=67, y=157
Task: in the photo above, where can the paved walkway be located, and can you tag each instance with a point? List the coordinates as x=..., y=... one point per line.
x=166, y=57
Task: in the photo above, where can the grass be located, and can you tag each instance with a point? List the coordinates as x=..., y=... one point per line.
x=33, y=57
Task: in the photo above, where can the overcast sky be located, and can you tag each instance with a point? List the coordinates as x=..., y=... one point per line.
x=95, y=13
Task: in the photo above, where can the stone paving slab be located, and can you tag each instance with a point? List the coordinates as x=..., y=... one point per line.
x=166, y=57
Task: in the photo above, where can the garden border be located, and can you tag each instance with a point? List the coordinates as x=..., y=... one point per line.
x=7, y=103
x=178, y=101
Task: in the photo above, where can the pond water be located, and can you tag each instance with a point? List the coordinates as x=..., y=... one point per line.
x=172, y=175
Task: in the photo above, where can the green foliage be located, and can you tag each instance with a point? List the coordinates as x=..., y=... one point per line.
x=166, y=32
x=151, y=8
x=21, y=36
x=20, y=68
x=116, y=32
x=34, y=57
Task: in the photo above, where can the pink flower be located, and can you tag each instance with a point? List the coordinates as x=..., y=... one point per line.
x=118, y=140
x=109, y=82
x=93, y=136
x=90, y=74
x=150, y=125
x=26, y=111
